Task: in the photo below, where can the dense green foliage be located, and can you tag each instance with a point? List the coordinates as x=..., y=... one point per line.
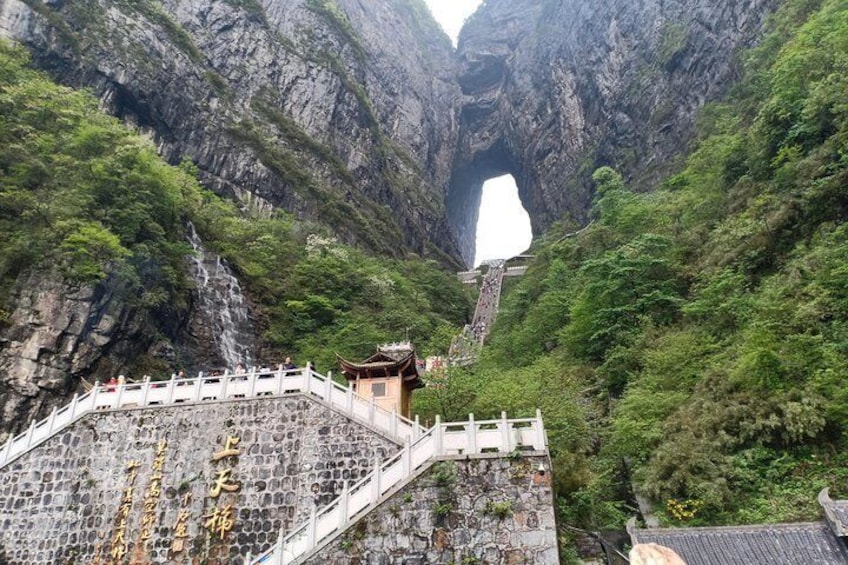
x=693, y=340
x=81, y=193
x=77, y=191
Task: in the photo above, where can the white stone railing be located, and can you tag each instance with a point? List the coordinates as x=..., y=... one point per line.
x=515, y=271
x=491, y=436
x=220, y=387
x=468, y=277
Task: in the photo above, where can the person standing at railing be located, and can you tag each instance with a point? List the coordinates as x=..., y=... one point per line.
x=289, y=365
x=179, y=377
x=110, y=386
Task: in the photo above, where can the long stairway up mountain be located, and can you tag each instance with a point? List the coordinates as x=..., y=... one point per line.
x=175, y=392
x=468, y=439
x=465, y=346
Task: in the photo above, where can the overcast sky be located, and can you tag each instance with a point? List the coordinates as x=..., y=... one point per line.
x=452, y=13
x=504, y=226
x=503, y=230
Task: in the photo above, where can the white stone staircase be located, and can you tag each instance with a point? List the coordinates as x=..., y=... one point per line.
x=468, y=438
x=420, y=446
x=211, y=388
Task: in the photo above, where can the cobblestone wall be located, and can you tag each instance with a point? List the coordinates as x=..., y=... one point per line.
x=480, y=511
x=80, y=497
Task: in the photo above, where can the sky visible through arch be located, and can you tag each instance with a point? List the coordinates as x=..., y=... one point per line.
x=452, y=13
x=503, y=229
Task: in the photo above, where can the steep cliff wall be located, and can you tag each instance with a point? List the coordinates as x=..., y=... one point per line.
x=64, y=501
x=305, y=105
x=356, y=115
x=58, y=333
x=311, y=106
x=555, y=88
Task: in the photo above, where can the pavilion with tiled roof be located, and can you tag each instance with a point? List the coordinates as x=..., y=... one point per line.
x=389, y=376
x=808, y=543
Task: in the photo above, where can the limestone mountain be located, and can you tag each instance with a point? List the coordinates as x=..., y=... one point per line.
x=554, y=89
x=342, y=113
x=358, y=119
x=359, y=115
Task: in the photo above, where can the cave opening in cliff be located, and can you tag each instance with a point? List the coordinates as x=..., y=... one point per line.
x=503, y=224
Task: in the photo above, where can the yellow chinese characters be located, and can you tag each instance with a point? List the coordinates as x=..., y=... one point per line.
x=223, y=482
x=154, y=491
x=229, y=449
x=119, y=537
x=181, y=526
x=219, y=521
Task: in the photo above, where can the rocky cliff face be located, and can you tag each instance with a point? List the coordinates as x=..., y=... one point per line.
x=341, y=112
x=556, y=88
x=56, y=335
x=359, y=116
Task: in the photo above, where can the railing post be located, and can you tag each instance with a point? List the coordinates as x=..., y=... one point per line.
x=505, y=437
x=310, y=532
x=437, y=436
x=73, y=408
x=393, y=425
x=280, y=378
x=307, y=388
x=371, y=410
x=540, y=432
x=328, y=389
x=224, y=381
x=52, y=420
x=94, y=392
x=349, y=400
x=7, y=449
x=375, y=480
x=171, y=386
x=119, y=396
x=343, y=503
x=278, y=552
x=471, y=435
x=416, y=428
x=145, y=391
x=253, y=377
x=198, y=393
x=30, y=432
x=406, y=459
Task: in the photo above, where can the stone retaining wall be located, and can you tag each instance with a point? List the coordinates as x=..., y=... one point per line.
x=69, y=500
x=461, y=511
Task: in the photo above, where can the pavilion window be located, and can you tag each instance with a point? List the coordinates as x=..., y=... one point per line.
x=378, y=389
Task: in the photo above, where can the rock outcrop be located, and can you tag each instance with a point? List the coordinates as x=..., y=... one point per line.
x=57, y=334
x=342, y=112
x=556, y=88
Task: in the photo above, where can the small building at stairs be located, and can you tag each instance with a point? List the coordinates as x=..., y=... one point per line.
x=389, y=377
